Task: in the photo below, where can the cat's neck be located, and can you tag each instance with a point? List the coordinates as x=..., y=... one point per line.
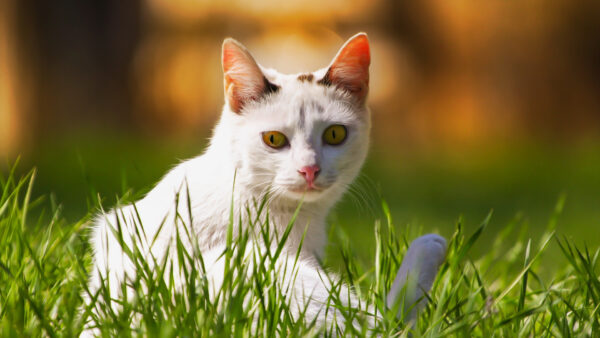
x=309, y=227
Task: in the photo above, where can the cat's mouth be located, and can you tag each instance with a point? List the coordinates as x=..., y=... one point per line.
x=305, y=188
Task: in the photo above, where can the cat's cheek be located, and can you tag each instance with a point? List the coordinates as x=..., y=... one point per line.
x=334, y=153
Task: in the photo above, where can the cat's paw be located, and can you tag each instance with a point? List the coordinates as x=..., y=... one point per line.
x=427, y=251
x=424, y=256
x=419, y=268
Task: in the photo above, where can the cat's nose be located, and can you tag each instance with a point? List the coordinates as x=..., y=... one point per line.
x=310, y=173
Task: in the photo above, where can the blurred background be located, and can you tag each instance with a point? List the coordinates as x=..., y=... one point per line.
x=476, y=105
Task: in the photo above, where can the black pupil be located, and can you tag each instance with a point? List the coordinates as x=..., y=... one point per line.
x=333, y=133
x=272, y=138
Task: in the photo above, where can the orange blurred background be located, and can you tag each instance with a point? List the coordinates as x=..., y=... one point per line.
x=443, y=72
x=477, y=105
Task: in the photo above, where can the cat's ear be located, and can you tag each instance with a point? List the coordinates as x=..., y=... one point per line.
x=349, y=69
x=243, y=79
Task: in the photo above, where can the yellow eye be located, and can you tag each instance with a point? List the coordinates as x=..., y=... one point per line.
x=274, y=139
x=335, y=134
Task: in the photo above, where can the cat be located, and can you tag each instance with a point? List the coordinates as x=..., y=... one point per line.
x=292, y=139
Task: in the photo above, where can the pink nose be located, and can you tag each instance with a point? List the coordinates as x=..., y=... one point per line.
x=310, y=172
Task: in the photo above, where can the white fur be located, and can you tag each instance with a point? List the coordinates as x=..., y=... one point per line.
x=302, y=110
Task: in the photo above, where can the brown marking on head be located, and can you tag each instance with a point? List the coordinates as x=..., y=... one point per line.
x=270, y=87
x=305, y=77
x=325, y=81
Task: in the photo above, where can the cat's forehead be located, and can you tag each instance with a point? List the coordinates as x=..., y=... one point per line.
x=298, y=89
x=311, y=98
x=302, y=106
x=291, y=79
x=303, y=96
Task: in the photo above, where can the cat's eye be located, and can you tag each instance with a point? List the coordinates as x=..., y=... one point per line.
x=335, y=134
x=274, y=139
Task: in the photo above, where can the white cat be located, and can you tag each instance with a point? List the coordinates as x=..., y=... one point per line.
x=288, y=138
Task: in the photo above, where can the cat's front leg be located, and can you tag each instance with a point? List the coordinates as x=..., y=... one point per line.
x=417, y=273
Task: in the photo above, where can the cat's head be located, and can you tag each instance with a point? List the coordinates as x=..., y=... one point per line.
x=303, y=135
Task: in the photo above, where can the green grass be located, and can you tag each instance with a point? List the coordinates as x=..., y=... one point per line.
x=44, y=262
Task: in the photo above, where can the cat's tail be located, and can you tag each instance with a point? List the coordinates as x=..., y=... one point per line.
x=416, y=274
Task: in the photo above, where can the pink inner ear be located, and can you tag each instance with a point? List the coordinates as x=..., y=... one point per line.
x=356, y=51
x=350, y=69
x=243, y=78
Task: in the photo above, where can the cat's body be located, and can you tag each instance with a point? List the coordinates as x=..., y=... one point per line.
x=284, y=138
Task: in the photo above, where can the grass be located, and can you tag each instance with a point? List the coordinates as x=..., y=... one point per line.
x=44, y=263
